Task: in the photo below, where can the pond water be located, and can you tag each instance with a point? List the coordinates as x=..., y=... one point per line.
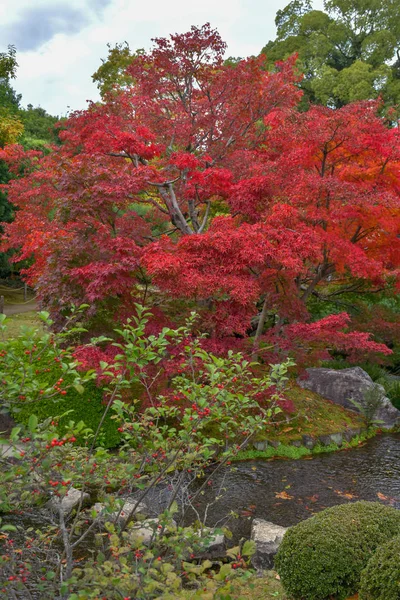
x=288, y=491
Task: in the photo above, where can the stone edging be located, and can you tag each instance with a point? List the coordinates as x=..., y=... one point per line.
x=309, y=442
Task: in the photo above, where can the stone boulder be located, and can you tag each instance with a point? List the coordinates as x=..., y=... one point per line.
x=129, y=510
x=71, y=500
x=344, y=385
x=267, y=537
x=213, y=545
x=146, y=531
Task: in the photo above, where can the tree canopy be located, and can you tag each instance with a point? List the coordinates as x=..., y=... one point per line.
x=176, y=189
x=112, y=73
x=348, y=52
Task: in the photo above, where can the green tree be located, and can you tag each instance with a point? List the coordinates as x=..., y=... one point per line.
x=39, y=127
x=348, y=52
x=11, y=129
x=8, y=62
x=112, y=72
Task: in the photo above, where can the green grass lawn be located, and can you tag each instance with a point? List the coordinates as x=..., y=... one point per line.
x=15, y=323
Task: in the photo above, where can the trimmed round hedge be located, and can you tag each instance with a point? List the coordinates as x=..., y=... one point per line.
x=322, y=557
x=380, y=580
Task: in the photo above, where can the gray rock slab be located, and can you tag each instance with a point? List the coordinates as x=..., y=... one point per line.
x=11, y=450
x=297, y=443
x=274, y=443
x=147, y=530
x=267, y=537
x=70, y=501
x=349, y=434
x=127, y=511
x=308, y=441
x=213, y=545
x=337, y=438
x=344, y=385
x=262, y=445
x=144, y=532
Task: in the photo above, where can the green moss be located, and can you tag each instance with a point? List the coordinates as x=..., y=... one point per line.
x=323, y=557
x=87, y=407
x=282, y=451
x=267, y=587
x=294, y=453
x=313, y=415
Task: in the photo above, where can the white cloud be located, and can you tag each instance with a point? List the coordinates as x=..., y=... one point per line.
x=57, y=73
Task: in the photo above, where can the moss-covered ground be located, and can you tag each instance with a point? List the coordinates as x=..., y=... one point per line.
x=266, y=587
x=313, y=415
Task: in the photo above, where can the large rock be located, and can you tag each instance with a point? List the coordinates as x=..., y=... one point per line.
x=71, y=500
x=130, y=510
x=343, y=386
x=267, y=537
x=213, y=545
x=146, y=531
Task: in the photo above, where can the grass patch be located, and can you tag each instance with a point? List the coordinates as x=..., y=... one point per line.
x=267, y=587
x=16, y=323
x=294, y=453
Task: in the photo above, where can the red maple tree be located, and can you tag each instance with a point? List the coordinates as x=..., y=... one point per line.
x=203, y=182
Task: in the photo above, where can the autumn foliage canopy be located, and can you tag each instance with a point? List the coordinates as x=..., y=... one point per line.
x=201, y=186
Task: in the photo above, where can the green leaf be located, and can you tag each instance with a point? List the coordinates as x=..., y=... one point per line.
x=32, y=423
x=14, y=433
x=174, y=508
x=249, y=548
x=8, y=528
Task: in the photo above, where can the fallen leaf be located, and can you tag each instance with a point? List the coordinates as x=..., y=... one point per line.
x=313, y=498
x=283, y=495
x=345, y=494
x=382, y=496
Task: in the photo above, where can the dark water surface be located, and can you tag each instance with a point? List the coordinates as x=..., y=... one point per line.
x=288, y=491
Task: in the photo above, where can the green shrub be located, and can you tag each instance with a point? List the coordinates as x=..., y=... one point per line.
x=87, y=407
x=380, y=580
x=323, y=556
x=392, y=388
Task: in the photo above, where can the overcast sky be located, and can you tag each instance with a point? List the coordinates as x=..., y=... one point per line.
x=60, y=42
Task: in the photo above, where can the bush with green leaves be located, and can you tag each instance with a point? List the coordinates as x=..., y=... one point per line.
x=87, y=407
x=168, y=456
x=40, y=377
x=380, y=580
x=323, y=557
